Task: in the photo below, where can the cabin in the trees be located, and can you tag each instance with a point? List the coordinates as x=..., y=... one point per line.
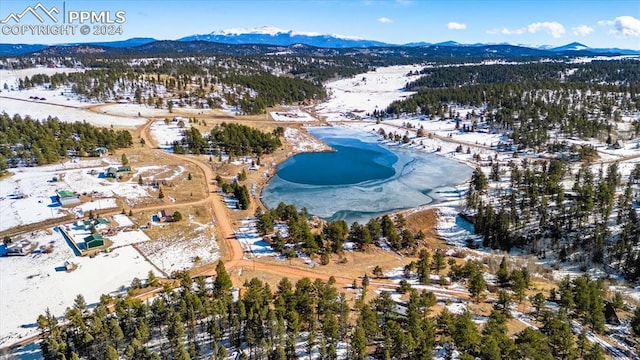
x=100, y=151
x=67, y=197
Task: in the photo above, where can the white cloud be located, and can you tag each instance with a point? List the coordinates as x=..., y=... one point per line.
x=552, y=28
x=384, y=20
x=582, y=30
x=506, y=31
x=623, y=25
x=456, y=26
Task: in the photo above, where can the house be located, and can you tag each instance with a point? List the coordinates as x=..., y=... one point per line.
x=22, y=247
x=98, y=224
x=124, y=169
x=165, y=215
x=100, y=151
x=67, y=197
x=94, y=240
x=111, y=173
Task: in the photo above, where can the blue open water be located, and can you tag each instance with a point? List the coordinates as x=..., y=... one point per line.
x=362, y=178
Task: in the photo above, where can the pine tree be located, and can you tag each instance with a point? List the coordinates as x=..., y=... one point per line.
x=503, y=273
x=358, y=344
x=477, y=285
x=222, y=284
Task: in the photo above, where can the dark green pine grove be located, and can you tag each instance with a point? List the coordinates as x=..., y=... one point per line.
x=527, y=101
x=536, y=213
x=230, y=138
x=24, y=141
x=200, y=320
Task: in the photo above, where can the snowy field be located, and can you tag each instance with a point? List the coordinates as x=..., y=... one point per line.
x=41, y=281
x=11, y=77
x=39, y=204
x=124, y=238
x=292, y=114
x=166, y=134
x=61, y=96
x=42, y=111
x=181, y=254
x=365, y=93
x=108, y=203
x=133, y=110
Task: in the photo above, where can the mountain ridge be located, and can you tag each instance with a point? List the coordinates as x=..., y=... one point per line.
x=273, y=36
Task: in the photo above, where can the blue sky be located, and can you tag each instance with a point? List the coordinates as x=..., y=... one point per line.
x=595, y=23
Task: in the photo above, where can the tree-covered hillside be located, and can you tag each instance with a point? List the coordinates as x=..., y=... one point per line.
x=24, y=141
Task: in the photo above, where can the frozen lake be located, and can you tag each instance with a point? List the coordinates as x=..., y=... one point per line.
x=362, y=179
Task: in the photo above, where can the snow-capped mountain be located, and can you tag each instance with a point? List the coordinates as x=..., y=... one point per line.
x=574, y=46
x=276, y=36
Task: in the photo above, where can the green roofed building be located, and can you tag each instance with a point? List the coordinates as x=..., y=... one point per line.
x=94, y=240
x=111, y=173
x=67, y=197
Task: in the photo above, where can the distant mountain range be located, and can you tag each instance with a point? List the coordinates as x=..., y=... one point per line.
x=274, y=37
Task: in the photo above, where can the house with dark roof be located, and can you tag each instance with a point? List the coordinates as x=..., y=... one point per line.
x=111, y=172
x=94, y=240
x=165, y=215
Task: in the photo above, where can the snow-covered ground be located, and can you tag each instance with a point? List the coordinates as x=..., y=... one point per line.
x=108, y=203
x=251, y=240
x=293, y=114
x=31, y=284
x=302, y=141
x=181, y=254
x=134, y=110
x=42, y=111
x=39, y=94
x=11, y=77
x=39, y=203
x=166, y=134
x=453, y=228
x=124, y=238
x=365, y=93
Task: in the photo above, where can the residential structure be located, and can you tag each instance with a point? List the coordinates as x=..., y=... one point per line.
x=94, y=240
x=165, y=215
x=67, y=197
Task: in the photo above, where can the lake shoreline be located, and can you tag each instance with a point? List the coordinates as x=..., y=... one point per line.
x=367, y=137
